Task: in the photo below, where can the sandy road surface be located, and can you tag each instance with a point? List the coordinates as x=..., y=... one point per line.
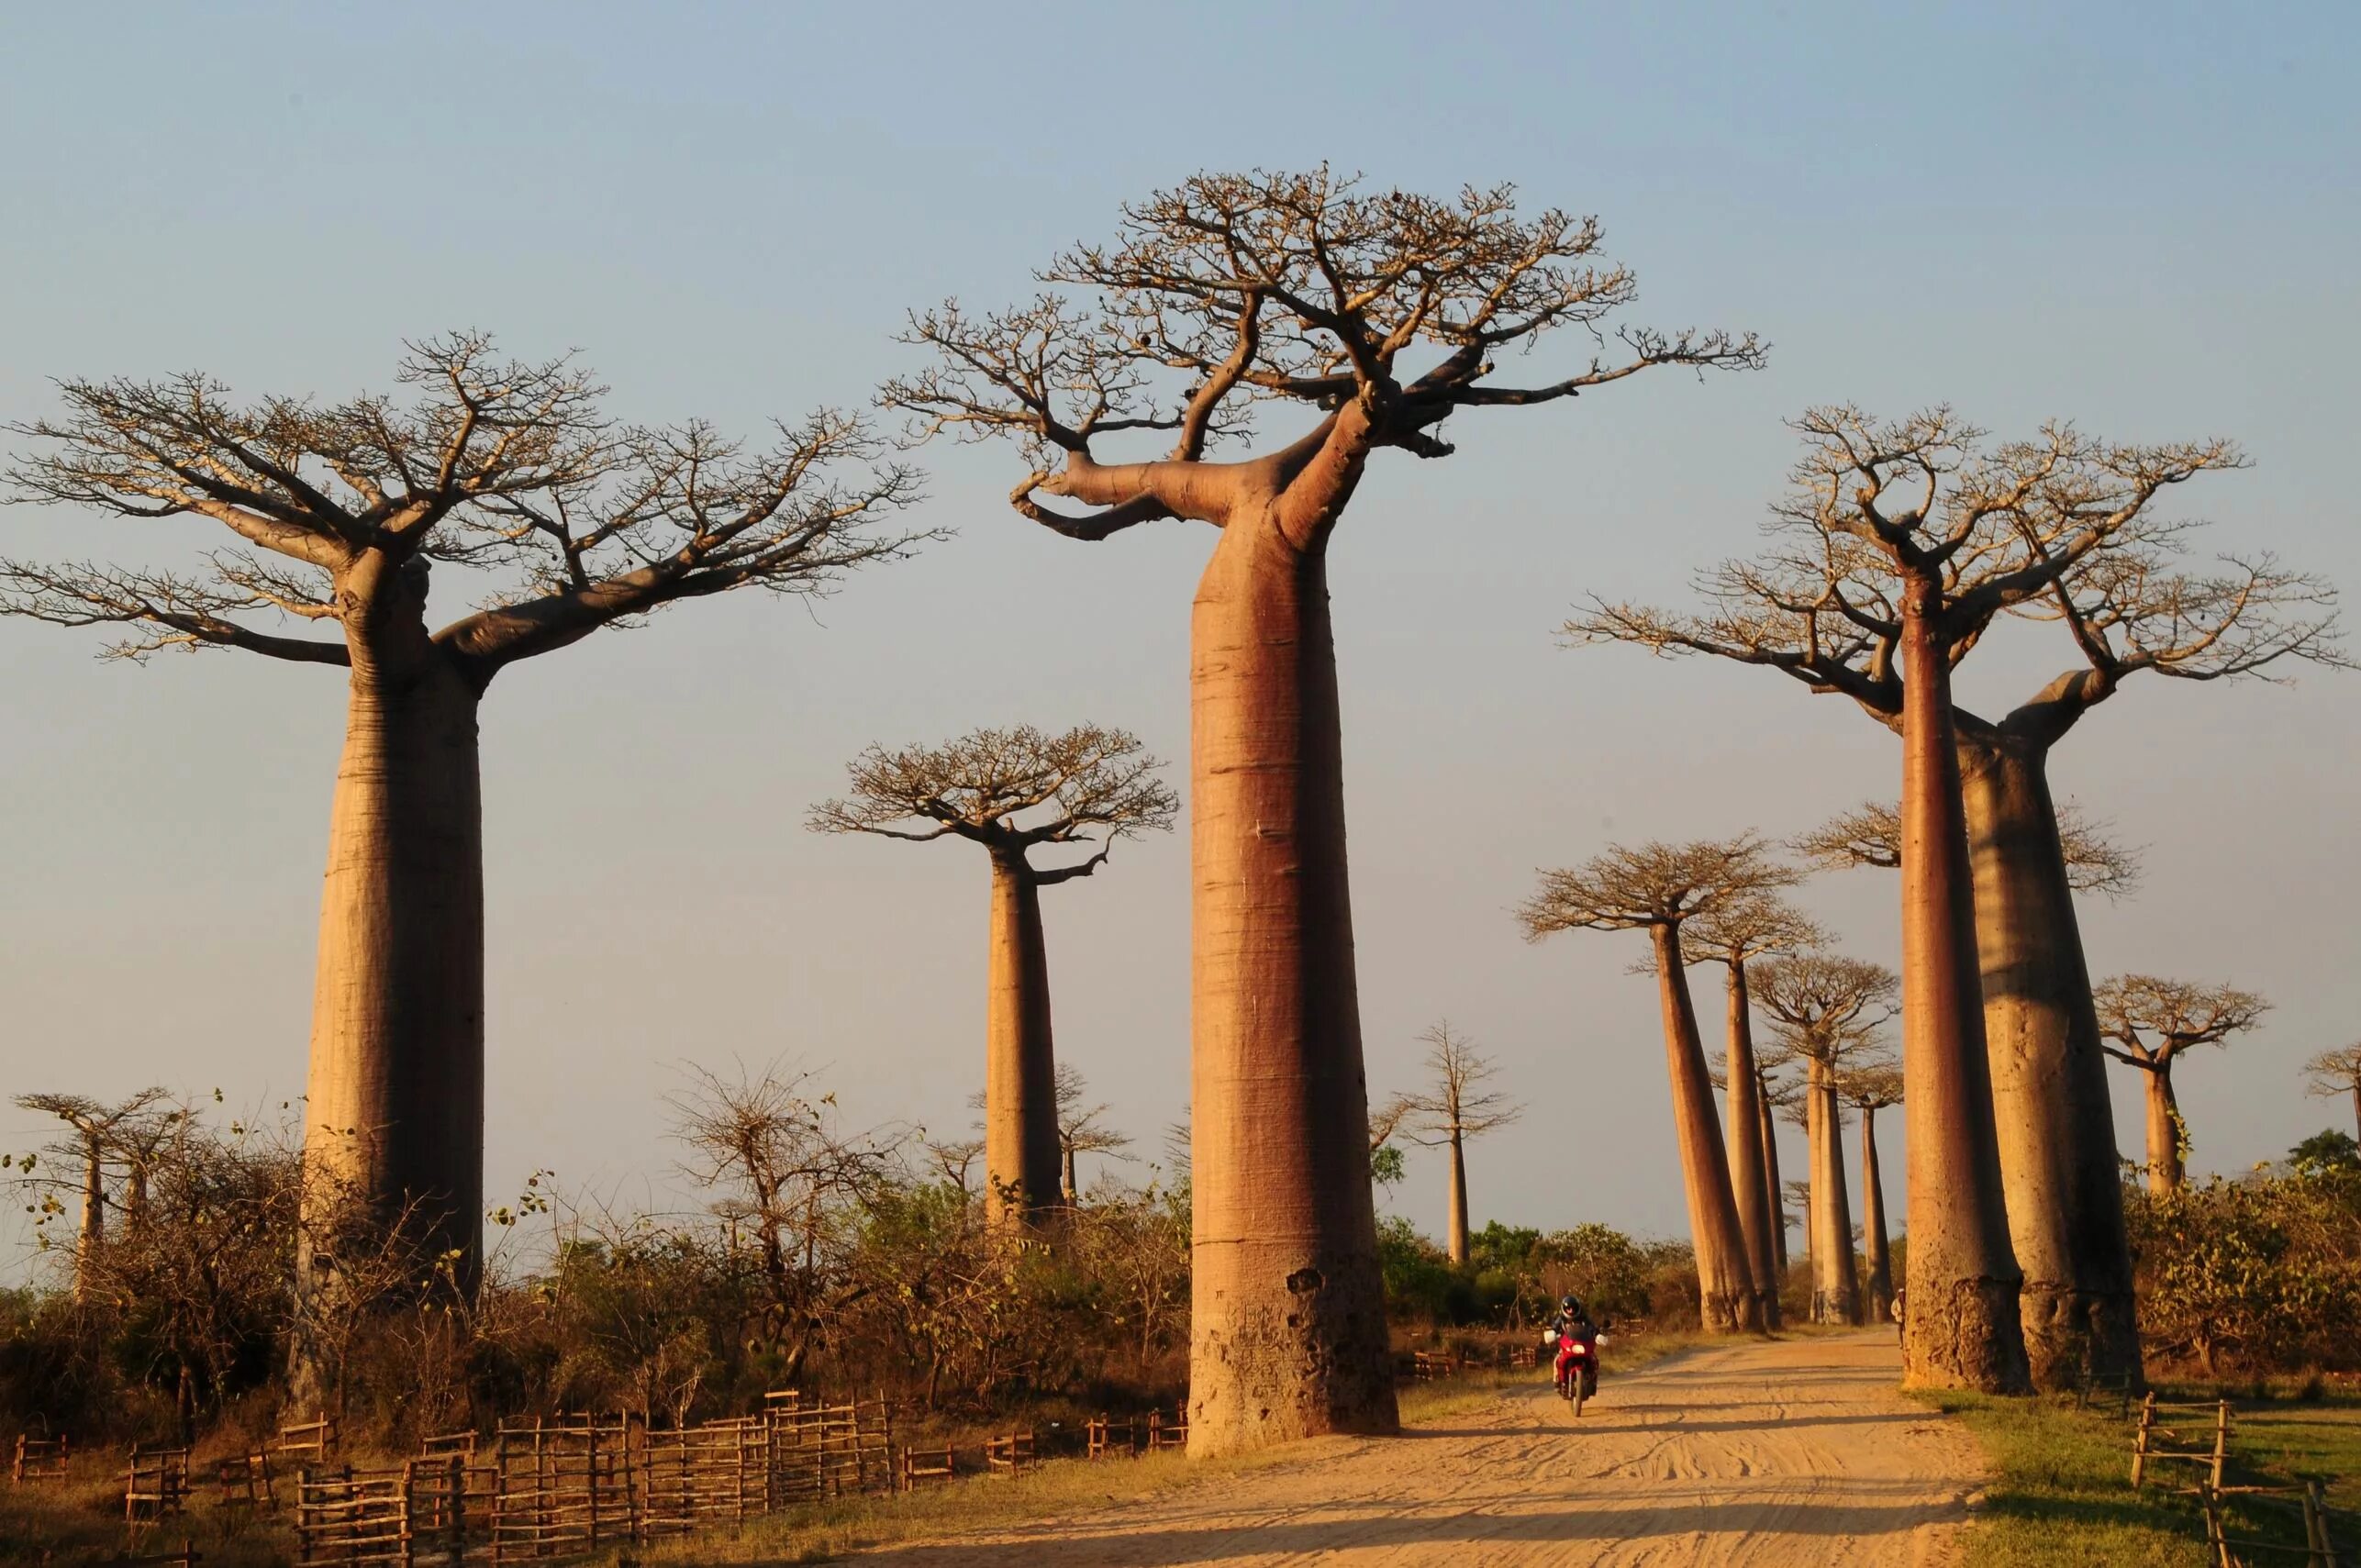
x=1764, y=1454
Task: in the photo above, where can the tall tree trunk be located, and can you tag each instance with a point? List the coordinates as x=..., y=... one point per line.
x=1456, y=1233
x=2357, y=1110
x=2056, y=1124
x=1727, y=1299
x=2166, y=1172
x=1836, y=1295
x=1774, y=1190
x=1072, y=1184
x=1878, y=1256
x=1963, y=1330
x=93, y=1216
x=1747, y=1161
x=1020, y=1142
x=395, y=1118
x=1287, y=1333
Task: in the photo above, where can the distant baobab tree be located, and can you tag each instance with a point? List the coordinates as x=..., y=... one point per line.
x=2338, y=1072
x=1658, y=888
x=103, y=1133
x=1080, y=1130
x=1371, y=317
x=1870, y=1087
x=1828, y=1010
x=1909, y=539
x=482, y=462
x=1456, y=1108
x=1734, y=935
x=1871, y=835
x=1013, y=791
x=2151, y=1023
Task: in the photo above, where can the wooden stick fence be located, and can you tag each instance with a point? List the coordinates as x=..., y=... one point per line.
x=349, y=1517
x=2227, y=1551
x=1102, y=1437
x=38, y=1459
x=1007, y=1455
x=314, y=1442
x=245, y=1481
x=155, y=1486
x=2149, y=1443
x=926, y=1466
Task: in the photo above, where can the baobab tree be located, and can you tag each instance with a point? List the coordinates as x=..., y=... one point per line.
x=1456, y=1108
x=2338, y=1072
x=1080, y=1130
x=2151, y=1023
x=1733, y=936
x=1870, y=1087
x=1377, y=315
x=480, y=462
x=1909, y=539
x=1658, y=888
x=100, y=1132
x=1013, y=791
x=1828, y=1010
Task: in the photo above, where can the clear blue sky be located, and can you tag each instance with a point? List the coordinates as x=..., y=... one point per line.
x=2143, y=218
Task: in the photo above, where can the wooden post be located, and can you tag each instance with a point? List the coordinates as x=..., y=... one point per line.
x=2221, y=1442
x=2140, y=1442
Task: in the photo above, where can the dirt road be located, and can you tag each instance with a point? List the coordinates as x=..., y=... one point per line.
x=1764, y=1454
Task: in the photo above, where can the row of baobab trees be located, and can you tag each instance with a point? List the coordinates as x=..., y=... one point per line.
x=1245, y=353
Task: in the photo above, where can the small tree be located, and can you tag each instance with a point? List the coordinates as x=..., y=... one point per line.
x=1364, y=317
x=1080, y=1130
x=1014, y=791
x=1734, y=936
x=1455, y=1109
x=1870, y=1087
x=2338, y=1072
x=1828, y=1010
x=1657, y=888
x=101, y=1135
x=483, y=464
x=2151, y=1022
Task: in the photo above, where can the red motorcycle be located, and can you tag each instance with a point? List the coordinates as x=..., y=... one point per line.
x=1576, y=1363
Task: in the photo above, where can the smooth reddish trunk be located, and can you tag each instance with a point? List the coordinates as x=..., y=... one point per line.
x=1020, y=1142
x=2166, y=1172
x=394, y=1117
x=2052, y=1111
x=1748, y=1167
x=1962, y=1330
x=1456, y=1233
x=1776, y=1194
x=1836, y=1295
x=1877, y=1253
x=1288, y=1336
x=1728, y=1301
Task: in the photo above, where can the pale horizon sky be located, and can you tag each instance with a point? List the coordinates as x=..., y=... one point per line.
x=2139, y=217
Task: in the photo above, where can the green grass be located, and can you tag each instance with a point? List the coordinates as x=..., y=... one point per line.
x=2061, y=1488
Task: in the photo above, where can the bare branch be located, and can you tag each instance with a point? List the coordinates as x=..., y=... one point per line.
x=2156, y=1019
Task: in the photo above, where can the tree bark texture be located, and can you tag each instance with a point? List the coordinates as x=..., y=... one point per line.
x=1748, y=1167
x=1775, y=1193
x=1021, y=1156
x=1877, y=1253
x=2165, y=1169
x=93, y=1216
x=395, y=1116
x=1288, y=1336
x=1961, y=1329
x=1728, y=1300
x=1836, y=1295
x=1457, y=1226
x=2052, y=1112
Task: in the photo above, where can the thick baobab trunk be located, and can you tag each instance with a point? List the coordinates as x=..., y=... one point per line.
x=1728, y=1301
x=2051, y=1108
x=1876, y=1257
x=93, y=1216
x=1776, y=1194
x=1456, y=1230
x=1749, y=1172
x=1287, y=1335
x=1073, y=1188
x=1021, y=1163
x=1963, y=1330
x=1835, y=1295
x=393, y=1125
x=2165, y=1171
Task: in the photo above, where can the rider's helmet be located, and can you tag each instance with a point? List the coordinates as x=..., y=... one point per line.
x=1570, y=1305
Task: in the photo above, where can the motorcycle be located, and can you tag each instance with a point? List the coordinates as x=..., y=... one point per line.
x=1575, y=1360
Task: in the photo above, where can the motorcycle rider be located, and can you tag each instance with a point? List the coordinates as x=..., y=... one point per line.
x=1573, y=1327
